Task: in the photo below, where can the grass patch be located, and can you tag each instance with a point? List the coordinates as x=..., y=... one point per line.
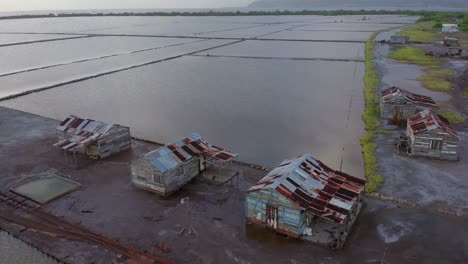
x=437, y=79
x=434, y=79
x=409, y=54
x=371, y=119
x=425, y=32
x=384, y=132
x=463, y=27
x=452, y=116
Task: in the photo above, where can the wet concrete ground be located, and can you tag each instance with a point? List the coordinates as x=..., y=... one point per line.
x=432, y=183
x=383, y=232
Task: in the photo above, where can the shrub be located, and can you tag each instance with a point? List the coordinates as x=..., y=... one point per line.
x=452, y=116
x=437, y=25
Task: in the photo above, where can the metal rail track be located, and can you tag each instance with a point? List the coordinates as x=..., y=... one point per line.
x=34, y=217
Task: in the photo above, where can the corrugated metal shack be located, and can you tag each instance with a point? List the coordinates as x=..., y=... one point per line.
x=304, y=198
x=397, y=103
x=449, y=28
x=96, y=139
x=399, y=40
x=432, y=136
x=166, y=169
x=451, y=41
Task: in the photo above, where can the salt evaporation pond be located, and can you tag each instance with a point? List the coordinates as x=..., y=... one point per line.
x=267, y=87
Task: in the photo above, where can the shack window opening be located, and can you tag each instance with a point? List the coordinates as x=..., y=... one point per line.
x=436, y=144
x=180, y=171
x=158, y=178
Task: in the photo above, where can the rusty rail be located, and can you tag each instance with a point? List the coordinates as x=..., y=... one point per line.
x=51, y=224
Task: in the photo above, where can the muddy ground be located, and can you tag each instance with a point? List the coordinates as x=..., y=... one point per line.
x=426, y=182
x=108, y=204
x=431, y=183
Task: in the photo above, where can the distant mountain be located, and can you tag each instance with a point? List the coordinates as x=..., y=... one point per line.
x=364, y=4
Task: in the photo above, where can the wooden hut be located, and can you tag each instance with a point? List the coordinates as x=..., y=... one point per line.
x=451, y=41
x=95, y=139
x=432, y=136
x=449, y=28
x=397, y=103
x=166, y=169
x=304, y=198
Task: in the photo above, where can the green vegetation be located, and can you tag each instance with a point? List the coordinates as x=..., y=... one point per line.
x=371, y=119
x=434, y=79
x=440, y=18
x=452, y=116
x=437, y=25
x=443, y=17
x=437, y=79
x=428, y=27
x=413, y=55
x=384, y=132
x=421, y=33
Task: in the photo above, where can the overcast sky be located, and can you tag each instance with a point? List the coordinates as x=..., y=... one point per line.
x=26, y=5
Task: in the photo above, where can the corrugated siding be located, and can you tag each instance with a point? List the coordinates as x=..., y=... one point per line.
x=421, y=145
x=182, y=174
x=142, y=176
x=115, y=141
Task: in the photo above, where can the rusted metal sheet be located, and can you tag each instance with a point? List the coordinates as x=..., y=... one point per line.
x=170, y=156
x=426, y=121
x=80, y=132
x=391, y=93
x=314, y=186
x=432, y=136
x=94, y=138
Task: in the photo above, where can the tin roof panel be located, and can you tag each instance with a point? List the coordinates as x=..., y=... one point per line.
x=314, y=186
x=81, y=132
x=394, y=92
x=170, y=156
x=426, y=121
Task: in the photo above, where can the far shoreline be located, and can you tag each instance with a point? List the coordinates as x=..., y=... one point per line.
x=91, y=13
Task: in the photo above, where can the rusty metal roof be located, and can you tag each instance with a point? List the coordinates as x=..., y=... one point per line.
x=170, y=156
x=315, y=187
x=81, y=132
x=426, y=120
x=393, y=92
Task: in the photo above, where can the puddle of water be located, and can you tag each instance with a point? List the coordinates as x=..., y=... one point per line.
x=391, y=233
x=46, y=188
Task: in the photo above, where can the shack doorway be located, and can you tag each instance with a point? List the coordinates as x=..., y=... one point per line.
x=272, y=216
x=399, y=114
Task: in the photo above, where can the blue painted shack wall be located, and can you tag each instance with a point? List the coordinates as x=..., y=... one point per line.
x=291, y=218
